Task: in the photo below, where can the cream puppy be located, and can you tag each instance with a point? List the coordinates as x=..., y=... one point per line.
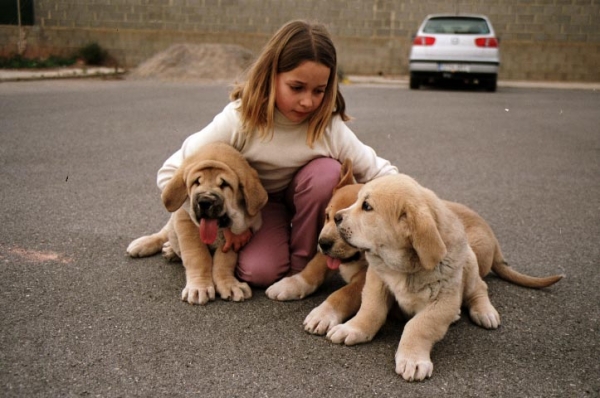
x=420, y=251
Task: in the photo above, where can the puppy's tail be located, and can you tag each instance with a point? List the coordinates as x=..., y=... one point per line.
x=506, y=272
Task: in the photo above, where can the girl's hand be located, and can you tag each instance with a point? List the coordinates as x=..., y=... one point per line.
x=235, y=241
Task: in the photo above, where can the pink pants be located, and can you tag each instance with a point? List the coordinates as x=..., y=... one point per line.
x=292, y=220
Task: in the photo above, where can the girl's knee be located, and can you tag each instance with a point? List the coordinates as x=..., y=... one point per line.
x=320, y=176
x=263, y=267
x=260, y=275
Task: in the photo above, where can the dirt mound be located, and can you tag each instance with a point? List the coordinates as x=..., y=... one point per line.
x=203, y=62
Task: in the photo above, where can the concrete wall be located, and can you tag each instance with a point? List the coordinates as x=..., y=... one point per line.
x=540, y=39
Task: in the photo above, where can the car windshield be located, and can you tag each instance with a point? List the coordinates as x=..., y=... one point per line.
x=456, y=25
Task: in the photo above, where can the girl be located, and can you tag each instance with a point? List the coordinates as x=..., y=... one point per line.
x=287, y=119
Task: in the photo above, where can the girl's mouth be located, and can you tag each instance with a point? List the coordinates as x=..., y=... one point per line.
x=302, y=115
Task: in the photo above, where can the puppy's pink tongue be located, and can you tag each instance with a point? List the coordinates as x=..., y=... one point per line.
x=333, y=263
x=208, y=230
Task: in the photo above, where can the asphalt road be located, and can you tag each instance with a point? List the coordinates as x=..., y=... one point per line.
x=78, y=317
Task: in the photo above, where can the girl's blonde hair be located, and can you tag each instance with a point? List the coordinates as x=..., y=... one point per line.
x=293, y=44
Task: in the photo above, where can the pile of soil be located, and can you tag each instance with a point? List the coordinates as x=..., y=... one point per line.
x=200, y=62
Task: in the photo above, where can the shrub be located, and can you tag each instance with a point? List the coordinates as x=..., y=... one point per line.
x=93, y=54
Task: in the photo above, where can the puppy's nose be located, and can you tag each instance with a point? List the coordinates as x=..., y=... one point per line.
x=325, y=245
x=205, y=203
x=338, y=218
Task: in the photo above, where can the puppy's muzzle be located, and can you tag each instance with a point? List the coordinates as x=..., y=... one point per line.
x=344, y=232
x=325, y=245
x=208, y=205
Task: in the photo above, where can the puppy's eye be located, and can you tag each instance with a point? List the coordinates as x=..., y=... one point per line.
x=366, y=206
x=224, y=184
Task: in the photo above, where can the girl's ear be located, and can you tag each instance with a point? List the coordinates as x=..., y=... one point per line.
x=175, y=193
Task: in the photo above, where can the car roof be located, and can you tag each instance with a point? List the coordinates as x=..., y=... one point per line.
x=459, y=15
x=456, y=16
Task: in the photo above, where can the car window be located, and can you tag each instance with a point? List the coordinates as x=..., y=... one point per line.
x=453, y=25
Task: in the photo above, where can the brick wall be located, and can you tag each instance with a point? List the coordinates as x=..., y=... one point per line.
x=540, y=39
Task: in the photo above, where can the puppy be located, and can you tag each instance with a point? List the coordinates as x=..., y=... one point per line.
x=428, y=256
x=334, y=254
x=213, y=189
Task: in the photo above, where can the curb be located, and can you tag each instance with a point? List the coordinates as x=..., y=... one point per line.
x=16, y=75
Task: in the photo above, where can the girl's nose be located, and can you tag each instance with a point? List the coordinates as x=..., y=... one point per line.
x=306, y=101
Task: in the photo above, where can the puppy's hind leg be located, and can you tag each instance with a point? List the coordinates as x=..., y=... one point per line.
x=150, y=244
x=475, y=297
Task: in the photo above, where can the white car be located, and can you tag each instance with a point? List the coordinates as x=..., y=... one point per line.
x=455, y=47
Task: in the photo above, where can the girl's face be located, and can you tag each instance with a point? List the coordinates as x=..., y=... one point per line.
x=299, y=92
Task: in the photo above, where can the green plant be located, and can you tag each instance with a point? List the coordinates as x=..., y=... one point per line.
x=20, y=62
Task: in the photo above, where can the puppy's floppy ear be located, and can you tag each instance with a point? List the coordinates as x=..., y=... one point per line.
x=426, y=239
x=175, y=193
x=254, y=193
x=346, y=175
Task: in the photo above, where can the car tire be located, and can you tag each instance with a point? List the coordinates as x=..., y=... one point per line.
x=415, y=83
x=491, y=84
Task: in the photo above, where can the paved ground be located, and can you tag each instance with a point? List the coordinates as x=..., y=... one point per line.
x=80, y=318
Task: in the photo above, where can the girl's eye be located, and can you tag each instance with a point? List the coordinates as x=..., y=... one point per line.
x=366, y=206
x=296, y=88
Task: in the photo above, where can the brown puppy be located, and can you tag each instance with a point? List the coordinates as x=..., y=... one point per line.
x=426, y=254
x=334, y=253
x=213, y=189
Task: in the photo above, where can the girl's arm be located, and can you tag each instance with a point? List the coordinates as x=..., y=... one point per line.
x=224, y=128
x=365, y=162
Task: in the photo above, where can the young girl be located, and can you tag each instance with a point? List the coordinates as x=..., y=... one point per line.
x=287, y=119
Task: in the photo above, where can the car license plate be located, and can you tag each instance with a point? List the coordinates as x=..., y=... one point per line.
x=453, y=68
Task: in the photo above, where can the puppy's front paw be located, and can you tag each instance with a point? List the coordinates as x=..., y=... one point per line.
x=321, y=319
x=348, y=335
x=234, y=290
x=486, y=317
x=413, y=369
x=290, y=288
x=195, y=293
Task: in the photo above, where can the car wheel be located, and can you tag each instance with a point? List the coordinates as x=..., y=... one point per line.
x=415, y=83
x=491, y=84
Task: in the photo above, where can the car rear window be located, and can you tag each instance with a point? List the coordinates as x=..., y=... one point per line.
x=457, y=25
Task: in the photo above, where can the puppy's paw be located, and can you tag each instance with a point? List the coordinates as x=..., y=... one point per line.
x=488, y=320
x=348, y=335
x=321, y=319
x=290, y=288
x=234, y=290
x=168, y=253
x=413, y=369
x=145, y=246
x=195, y=293
x=486, y=316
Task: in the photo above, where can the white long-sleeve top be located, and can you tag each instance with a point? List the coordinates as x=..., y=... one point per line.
x=278, y=158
